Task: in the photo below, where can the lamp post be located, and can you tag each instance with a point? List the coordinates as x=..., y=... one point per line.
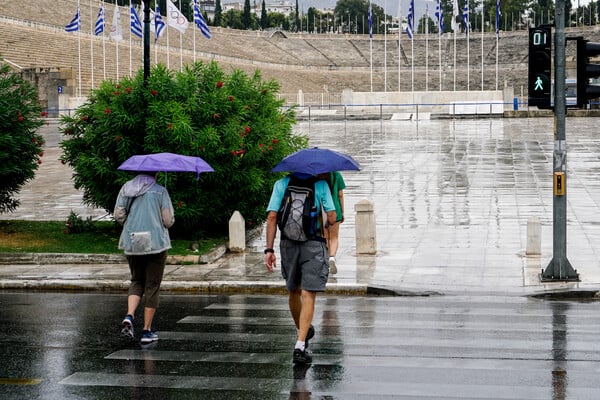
x=146, y=41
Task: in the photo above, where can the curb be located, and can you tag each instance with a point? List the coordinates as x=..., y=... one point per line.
x=181, y=287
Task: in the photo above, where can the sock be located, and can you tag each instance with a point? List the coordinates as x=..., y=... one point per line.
x=300, y=345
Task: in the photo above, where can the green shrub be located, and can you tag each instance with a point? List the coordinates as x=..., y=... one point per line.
x=20, y=145
x=234, y=122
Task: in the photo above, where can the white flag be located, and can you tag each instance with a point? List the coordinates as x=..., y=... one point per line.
x=175, y=18
x=116, y=32
x=455, y=26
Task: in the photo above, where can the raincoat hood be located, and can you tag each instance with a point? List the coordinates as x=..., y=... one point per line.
x=138, y=185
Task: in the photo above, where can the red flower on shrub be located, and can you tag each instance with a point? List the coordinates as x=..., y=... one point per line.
x=129, y=90
x=117, y=86
x=84, y=118
x=116, y=93
x=216, y=116
x=153, y=92
x=219, y=85
x=270, y=148
x=34, y=140
x=247, y=129
x=230, y=98
x=170, y=126
x=63, y=162
x=179, y=204
x=107, y=111
x=21, y=118
x=39, y=161
x=275, y=141
x=118, y=138
x=41, y=154
x=44, y=113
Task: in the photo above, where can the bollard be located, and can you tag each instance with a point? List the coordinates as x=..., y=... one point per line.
x=366, y=242
x=534, y=236
x=237, y=233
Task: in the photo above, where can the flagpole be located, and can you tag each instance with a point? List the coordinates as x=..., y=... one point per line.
x=384, y=46
x=195, y=5
x=426, y=47
x=92, y=26
x=130, y=38
x=79, y=46
x=482, y=29
x=180, y=44
x=399, y=41
x=497, y=34
x=168, y=45
x=371, y=42
x=104, y=45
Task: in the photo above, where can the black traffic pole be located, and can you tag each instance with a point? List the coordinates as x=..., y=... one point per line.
x=146, y=41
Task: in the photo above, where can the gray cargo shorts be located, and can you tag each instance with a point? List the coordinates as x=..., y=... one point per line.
x=304, y=264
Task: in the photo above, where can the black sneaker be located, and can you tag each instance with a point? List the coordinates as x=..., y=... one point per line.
x=301, y=357
x=309, y=335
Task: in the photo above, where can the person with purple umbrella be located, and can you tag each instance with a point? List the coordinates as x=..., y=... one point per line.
x=145, y=210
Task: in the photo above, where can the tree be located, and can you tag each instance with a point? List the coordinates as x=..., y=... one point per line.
x=20, y=144
x=232, y=19
x=218, y=12
x=264, y=19
x=279, y=20
x=246, y=17
x=297, y=18
x=357, y=10
x=311, y=20
x=234, y=122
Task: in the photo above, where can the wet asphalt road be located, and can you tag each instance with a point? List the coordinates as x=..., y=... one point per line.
x=66, y=346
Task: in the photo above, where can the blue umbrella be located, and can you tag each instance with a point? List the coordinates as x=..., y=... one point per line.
x=316, y=161
x=166, y=162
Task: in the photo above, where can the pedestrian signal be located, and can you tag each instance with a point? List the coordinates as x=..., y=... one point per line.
x=586, y=71
x=540, y=66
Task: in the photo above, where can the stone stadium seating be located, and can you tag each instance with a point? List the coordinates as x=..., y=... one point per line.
x=32, y=36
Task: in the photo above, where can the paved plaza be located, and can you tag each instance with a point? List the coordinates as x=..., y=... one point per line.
x=452, y=199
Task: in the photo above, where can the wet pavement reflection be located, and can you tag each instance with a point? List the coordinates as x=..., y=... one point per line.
x=63, y=346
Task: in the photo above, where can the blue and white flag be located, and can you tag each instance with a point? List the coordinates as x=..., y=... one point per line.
x=411, y=19
x=100, y=21
x=465, y=17
x=370, y=19
x=200, y=21
x=136, y=25
x=159, y=24
x=75, y=23
x=439, y=17
x=498, y=14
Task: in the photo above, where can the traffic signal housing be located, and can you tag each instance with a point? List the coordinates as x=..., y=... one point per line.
x=586, y=71
x=540, y=67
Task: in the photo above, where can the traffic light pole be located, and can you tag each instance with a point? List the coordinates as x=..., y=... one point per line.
x=559, y=268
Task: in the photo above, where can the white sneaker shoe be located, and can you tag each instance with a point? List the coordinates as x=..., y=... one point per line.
x=332, y=266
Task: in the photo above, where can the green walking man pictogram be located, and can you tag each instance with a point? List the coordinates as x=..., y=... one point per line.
x=539, y=84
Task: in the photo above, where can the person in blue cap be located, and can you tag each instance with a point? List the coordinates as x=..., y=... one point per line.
x=304, y=263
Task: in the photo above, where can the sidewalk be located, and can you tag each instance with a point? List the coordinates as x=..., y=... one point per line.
x=451, y=200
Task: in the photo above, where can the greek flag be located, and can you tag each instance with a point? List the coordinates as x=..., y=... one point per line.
x=75, y=23
x=159, y=24
x=411, y=19
x=439, y=16
x=100, y=21
x=370, y=18
x=498, y=14
x=200, y=21
x=465, y=17
x=136, y=25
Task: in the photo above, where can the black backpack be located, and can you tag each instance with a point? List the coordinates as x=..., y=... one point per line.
x=297, y=217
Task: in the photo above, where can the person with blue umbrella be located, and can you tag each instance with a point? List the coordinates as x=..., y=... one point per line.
x=295, y=207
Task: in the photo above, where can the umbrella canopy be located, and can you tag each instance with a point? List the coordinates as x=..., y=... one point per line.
x=316, y=161
x=166, y=162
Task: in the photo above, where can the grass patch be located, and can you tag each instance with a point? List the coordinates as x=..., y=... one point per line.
x=101, y=238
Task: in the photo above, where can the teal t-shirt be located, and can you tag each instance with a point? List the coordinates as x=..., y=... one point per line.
x=322, y=195
x=336, y=182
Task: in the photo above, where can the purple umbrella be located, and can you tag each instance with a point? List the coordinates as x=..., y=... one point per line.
x=166, y=162
x=316, y=161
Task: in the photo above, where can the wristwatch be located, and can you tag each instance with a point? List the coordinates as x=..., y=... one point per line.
x=269, y=250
